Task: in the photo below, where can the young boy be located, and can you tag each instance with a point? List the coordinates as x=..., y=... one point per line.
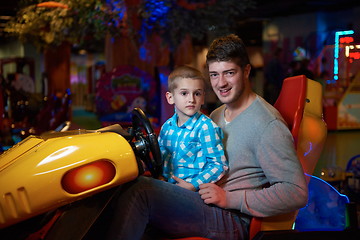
x=190, y=142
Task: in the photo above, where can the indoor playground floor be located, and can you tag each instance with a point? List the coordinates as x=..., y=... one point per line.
x=84, y=119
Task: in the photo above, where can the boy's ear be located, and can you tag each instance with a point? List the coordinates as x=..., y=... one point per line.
x=169, y=98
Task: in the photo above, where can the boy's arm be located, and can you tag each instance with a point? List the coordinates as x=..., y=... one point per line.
x=215, y=165
x=164, y=154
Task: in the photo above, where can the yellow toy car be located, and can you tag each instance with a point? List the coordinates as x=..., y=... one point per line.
x=43, y=173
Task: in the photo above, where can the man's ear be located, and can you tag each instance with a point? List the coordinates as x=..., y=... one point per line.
x=247, y=70
x=169, y=98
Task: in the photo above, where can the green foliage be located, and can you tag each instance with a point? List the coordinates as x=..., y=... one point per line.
x=78, y=21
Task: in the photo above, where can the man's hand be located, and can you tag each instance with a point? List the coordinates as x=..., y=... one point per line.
x=213, y=194
x=182, y=183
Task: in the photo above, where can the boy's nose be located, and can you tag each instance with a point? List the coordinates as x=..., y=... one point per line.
x=191, y=98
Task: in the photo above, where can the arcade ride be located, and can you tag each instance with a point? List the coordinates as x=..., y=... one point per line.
x=58, y=168
x=68, y=178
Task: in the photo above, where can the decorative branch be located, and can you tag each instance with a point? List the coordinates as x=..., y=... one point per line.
x=51, y=23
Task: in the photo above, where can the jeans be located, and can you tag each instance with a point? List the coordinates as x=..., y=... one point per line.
x=167, y=210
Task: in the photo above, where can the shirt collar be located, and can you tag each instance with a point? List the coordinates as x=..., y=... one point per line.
x=189, y=124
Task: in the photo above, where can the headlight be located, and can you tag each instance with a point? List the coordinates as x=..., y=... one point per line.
x=88, y=176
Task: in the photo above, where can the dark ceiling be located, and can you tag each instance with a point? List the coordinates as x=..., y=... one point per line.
x=274, y=8
x=251, y=19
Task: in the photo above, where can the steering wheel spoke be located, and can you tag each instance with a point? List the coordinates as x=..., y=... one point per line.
x=146, y=144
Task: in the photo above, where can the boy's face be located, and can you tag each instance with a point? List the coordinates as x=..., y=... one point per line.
x=228, y=80
x=188, y=96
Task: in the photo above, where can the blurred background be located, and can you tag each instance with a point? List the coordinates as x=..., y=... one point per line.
x=90, y=62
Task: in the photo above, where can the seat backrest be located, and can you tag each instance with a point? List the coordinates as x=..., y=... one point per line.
x=291, y=103
x=300, y=104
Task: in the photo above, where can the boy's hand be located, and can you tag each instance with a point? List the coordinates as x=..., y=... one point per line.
x=182, y=183
x=213, y=194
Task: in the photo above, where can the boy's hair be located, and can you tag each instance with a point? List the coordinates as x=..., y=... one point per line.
x=227, y=48
x=183, y=72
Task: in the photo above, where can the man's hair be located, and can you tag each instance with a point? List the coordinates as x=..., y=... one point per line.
x=227, y=48
x=183, y=72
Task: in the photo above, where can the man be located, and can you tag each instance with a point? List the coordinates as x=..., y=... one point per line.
x=265, y=177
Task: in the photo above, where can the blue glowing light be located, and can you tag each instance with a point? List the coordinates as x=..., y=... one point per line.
x=142, y=53
x=156, y=15
x=325, y=210
x=336, y=53
x=310, y=149
x=117, y=6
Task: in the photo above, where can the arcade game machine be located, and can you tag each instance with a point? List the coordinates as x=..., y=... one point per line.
x=23, y=110
x=342, y=92
x=123, y=89
x=17, y=97
x=342, y=105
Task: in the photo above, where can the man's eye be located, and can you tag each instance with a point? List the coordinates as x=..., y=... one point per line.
x=230, y=73
x=213, y=75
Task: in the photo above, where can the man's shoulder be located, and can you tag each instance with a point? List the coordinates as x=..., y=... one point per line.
x=265, y=109
x=217, y=112
x=264, y=114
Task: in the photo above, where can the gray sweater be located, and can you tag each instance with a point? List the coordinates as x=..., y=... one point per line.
x=265, y=177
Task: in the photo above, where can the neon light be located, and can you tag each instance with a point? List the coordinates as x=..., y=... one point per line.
x=354, y=55
x=310, y=149
x=328, y=184
x=336, y=53
x=346, y=40
x=347, y=50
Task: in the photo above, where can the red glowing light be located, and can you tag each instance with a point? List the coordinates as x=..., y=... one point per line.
x=88, y=176
x=346, y=40
x=354, y=55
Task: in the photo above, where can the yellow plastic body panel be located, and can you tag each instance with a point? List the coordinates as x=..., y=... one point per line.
x=313, y=130
x=32, y=171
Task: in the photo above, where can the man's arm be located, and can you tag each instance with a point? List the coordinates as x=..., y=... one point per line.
x=287, y=190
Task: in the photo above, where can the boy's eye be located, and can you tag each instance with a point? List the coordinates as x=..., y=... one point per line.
x=198, y=94
x=183, y=93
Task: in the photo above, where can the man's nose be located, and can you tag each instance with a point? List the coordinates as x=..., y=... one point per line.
x=222, y=81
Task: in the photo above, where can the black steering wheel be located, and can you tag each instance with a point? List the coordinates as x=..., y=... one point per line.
x=146, y=144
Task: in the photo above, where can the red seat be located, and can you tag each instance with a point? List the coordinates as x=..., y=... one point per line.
x=300, y=104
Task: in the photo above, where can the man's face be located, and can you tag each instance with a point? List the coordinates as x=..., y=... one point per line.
x=228, y=80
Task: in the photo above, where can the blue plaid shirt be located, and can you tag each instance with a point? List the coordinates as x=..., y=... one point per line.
x=193, y=152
